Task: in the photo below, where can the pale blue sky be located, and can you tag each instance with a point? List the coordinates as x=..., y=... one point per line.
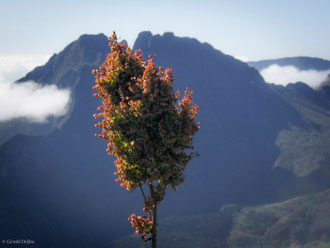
x=254, y=29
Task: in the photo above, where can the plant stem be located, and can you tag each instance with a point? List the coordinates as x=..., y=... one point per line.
x=154, y=218
x=154, y=227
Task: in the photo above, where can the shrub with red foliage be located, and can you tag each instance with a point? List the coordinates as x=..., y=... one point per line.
x=147, y=128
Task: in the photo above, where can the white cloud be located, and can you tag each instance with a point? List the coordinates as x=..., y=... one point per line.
x=29, y=100
x=284, y=75
x=32, y=101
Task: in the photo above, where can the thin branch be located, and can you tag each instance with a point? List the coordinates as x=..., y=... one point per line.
x=144, y=196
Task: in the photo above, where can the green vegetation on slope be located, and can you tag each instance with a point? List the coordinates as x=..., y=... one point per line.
x=304, y=150
x=302, y=222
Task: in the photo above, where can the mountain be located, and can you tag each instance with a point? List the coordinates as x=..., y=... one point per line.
x=305, y=150
x=62, y=70
x=87, y=51
x=241, y=119
x=298, y=222
x=59, y=188
x=301, y=63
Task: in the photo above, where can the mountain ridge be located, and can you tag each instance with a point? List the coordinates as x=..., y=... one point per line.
x=82, y=51
x=300, y=62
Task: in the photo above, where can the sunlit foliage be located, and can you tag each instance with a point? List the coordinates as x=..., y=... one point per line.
x=146, y=126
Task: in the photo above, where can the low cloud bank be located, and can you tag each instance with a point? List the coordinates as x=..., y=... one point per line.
x=32, y=101
x=284, y=75
x=29, y=100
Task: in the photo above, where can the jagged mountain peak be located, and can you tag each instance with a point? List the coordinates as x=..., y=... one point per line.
x=65, y=70
x=191, y=54
x=86, y=50
x=147, y=38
